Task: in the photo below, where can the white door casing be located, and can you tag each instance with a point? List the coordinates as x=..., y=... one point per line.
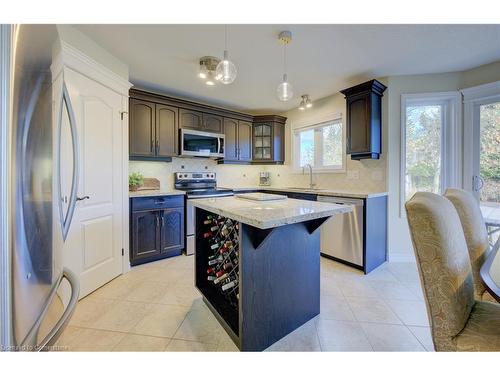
x=93, y=249
x=473, y=98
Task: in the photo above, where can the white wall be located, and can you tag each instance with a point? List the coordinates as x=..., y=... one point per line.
x=400, y=247
x=399, y=238
x=372, y=173
x=80, y=41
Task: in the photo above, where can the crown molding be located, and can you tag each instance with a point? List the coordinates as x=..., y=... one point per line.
x=481, y=92
x=70, y=57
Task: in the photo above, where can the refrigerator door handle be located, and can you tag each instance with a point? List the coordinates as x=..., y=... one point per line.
x=31, y=342
x=67, y=217
x=59, y=327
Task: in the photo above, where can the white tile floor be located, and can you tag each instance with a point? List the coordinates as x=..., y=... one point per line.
x=155, y=307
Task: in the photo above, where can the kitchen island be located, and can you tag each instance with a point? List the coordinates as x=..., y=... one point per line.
x=258, y=264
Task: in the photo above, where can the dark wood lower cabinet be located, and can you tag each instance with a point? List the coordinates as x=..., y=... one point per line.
x=156, y=228
x=172, y=230
x=145, y=238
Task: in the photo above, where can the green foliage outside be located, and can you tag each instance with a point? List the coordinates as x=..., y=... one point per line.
x=423, y=149
x=490, y=152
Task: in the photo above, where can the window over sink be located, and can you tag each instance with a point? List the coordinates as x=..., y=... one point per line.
x=321, y=144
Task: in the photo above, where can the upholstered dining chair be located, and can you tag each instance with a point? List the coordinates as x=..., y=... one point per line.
x=475, y=233
x=458, y=321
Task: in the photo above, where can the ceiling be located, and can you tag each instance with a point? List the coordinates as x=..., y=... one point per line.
x=322, y=59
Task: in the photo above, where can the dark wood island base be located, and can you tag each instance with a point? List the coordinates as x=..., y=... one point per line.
x=275, y=273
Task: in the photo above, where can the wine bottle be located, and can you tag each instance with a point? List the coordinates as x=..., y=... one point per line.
x=231, y=283
x=207, y=235
x=219, y=279
x=215, y=261
x=211, y=278
x=220, y=273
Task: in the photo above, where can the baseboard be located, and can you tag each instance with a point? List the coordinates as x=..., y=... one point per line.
x=401, y=258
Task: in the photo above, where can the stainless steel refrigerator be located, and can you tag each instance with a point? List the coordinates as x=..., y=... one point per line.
x=42, y=193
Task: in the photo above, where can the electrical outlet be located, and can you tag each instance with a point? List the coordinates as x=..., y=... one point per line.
x=353, y=174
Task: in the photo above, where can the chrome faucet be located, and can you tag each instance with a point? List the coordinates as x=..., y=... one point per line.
x=311, y=184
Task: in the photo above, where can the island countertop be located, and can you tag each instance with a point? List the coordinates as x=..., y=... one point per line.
x=269, y=214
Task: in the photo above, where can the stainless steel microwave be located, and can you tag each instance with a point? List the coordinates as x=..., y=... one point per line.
x=204, y=144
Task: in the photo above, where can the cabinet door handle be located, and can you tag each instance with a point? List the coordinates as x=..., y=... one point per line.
x=157, y=147
x=162, y=221
x=152, y=145
x=157, y=220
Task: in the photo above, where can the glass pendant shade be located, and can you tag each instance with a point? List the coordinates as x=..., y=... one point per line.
x=308, y=102
x=285, y=90
x=225, y=71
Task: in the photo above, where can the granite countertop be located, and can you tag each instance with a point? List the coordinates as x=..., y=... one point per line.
x=328, y=192
x=154, y=193
x=269, y=214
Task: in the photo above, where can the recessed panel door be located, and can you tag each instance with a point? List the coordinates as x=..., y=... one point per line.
x=94, y=246
x=172, y=229
x=166, y=130
x=244, y=141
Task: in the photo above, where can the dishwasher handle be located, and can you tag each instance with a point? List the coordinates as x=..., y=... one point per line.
x=341, y=200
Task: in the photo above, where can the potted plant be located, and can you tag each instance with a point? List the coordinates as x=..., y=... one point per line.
x=135, y=181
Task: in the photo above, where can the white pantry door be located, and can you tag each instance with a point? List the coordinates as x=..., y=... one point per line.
x=94, y=245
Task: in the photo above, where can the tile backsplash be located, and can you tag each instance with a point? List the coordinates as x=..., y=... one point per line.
x=366, y=175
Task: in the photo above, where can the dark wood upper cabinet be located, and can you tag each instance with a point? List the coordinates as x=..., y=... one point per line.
x=166, y=130
x=269, y=139
x=189, y=119
x=364, y=120
x=141, y=128
x=244, y=141
x=212, y=123
x=231, y=138
x=238, y=140
x=155, y=120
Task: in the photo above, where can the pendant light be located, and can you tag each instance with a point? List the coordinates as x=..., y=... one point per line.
x=285, y=89
x=208, y=66
x=226, y=70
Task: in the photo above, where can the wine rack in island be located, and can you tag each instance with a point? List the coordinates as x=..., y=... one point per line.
x=217, y=266
x=222, y=264
x=260, y=284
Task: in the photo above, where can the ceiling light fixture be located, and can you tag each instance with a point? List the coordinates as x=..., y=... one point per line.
x=302, y=104
x=226, y=70
x=285, y=89
x=208, y=65
x=305, y=102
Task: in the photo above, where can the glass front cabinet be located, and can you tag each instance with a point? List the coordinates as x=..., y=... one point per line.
x=269, y=139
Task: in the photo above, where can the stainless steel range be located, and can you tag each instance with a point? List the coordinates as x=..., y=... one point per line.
x=197, y=185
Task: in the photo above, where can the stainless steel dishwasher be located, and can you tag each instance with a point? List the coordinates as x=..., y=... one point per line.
x=342, y=235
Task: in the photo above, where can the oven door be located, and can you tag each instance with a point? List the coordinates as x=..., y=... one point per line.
x=196, y=143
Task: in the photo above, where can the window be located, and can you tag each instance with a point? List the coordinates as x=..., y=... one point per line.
x=430, y=143
x=321, y=145
x=423, y=148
